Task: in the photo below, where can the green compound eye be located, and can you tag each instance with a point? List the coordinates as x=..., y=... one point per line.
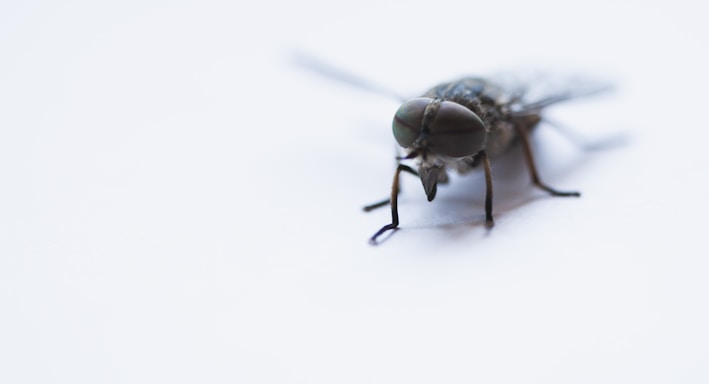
x=407, y=121
x=456, y=131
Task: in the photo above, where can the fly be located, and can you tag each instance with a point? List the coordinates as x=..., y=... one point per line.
x=459, y=126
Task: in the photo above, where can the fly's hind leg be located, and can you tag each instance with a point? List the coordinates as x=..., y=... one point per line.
x=524, y=138
x=394, y=203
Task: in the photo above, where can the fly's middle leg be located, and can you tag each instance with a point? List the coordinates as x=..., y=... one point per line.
x=394, y=203
x=527, y=148
x=488, y=189
x=376, y=205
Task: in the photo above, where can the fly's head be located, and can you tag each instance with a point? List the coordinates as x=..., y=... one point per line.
x=432, y=130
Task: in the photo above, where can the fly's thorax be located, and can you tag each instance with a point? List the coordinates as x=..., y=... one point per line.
x=502, y=136
x=504, y=131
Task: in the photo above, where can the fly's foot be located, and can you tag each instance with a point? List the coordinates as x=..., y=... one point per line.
x=567, y=194
x=388, y=227
x=554, y=192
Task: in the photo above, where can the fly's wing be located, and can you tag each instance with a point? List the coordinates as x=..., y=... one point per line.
x=312, y=64
x=574, y=93
x=531, y=94
x=532, y=97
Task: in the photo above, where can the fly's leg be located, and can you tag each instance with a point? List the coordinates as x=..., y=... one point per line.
x=384, y=202
x=376, y=205
x=394, y=203
x=522, y=133
x=488, y=190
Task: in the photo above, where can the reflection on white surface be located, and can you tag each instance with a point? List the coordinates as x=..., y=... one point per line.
x=180, y=203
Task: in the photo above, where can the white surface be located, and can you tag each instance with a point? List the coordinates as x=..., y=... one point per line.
x=181, y=204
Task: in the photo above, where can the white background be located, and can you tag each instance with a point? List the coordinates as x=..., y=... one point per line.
x=180, y=203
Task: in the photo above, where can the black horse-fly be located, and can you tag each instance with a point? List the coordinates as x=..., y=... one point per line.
x=458, y=126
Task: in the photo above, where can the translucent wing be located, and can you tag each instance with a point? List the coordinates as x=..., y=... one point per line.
x=535, y=94
x=312, y=64
x=531, y=93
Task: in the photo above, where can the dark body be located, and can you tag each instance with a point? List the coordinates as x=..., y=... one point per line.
x=459, y=125
x=500, y=110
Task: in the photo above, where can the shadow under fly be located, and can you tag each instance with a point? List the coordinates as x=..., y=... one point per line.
x=458, y=126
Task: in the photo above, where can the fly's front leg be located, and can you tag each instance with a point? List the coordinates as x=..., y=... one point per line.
x=522, y=133
x=394, y=203
x=488, y=190
x=384, y=202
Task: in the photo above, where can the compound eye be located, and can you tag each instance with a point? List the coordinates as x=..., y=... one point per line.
x=407, y=121
x=456, y=131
